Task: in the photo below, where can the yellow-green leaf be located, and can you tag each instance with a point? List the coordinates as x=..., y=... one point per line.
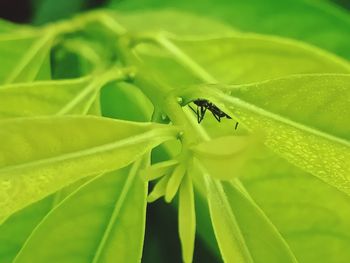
x=228, y=234
x=227, y=157
x=159, y=189
x=102, y=221
x=159, y=169
x=187, y=218
x=311, y=129
x=39, y=156
x=174, y=182
x=23, y=55
x=47, y=97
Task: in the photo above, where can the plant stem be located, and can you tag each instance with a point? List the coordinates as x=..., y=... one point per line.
x=98, y=81
x=80, y=22
x=161, y=95
x=184, y=59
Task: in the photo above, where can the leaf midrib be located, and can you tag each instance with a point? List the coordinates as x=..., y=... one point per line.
x=198, y=70
x=237, y=184
x=77, y=98
x=239, y=103
x=118, y=206
x=314, y=50
x=86, y=152
x=231, y=217
x=28, y=57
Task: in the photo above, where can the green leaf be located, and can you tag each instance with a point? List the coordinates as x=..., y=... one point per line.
x=249, y=216
x=60, y=97
x=227, y=157
x=6, y=26
x=94, y=223
x=95, y=108
x=313, y=135
x=330, y=64
x=23, y=56
x=228, y=234
x=316, y=22
x=239, y=223
x=156, y=21
x=16, y=230
x=37, y=158
x=159, y=169
x=204, y=227
x=264, y=241
x=135, y=105
x=311, y=215
x=45, y=71
x=47, y=98
x=241, y=58
x=319, y=101
x=174, y=182
x=252, y=57
x=187, y=218
x=159, y=189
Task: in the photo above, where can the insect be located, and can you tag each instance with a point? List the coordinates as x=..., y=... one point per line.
x=203, y=105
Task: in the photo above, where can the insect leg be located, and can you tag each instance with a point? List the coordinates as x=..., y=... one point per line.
x=217, y=117
x=196, y=112
x=202, y=113
x=198, y=115
x=192, y=109
x=236, y=126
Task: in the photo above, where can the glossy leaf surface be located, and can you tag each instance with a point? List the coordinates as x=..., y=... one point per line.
x=39, y=166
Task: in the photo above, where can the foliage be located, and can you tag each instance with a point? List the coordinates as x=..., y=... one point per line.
x=86, y=103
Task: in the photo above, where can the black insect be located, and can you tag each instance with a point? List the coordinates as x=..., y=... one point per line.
x=203, y=105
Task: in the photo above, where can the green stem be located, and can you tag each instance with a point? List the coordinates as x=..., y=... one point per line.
x=162, y=40
x=98, y=81
x=191, y=65
x=184, y=59
x=80, y=23
x=159, y=93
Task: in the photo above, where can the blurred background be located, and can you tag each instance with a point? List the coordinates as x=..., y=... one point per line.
x=42, y=11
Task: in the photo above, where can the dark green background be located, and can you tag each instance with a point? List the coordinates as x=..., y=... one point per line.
x=41, y=11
